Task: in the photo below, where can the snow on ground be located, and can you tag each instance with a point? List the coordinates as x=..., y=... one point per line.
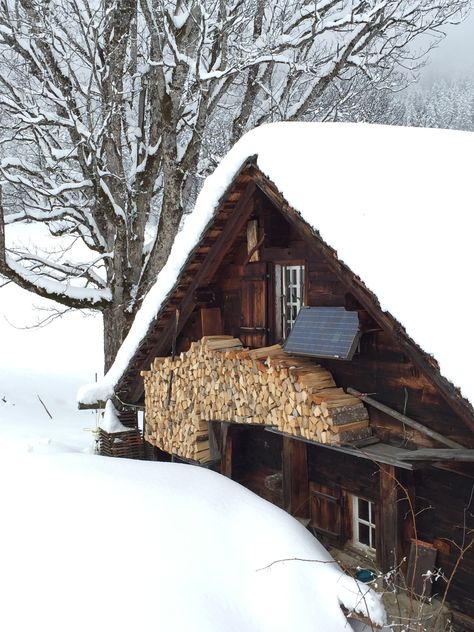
x=48, y=363
x=90, y=543
x=93, y=544
x=396, y=204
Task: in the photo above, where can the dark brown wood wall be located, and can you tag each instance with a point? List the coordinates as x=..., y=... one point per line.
x=380, y=368
x=336, y=475
x=445, y=516
x=257, y=462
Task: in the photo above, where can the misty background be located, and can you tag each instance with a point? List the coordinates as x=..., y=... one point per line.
x=454, y=57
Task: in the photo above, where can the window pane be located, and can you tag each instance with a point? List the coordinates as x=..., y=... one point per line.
x=372, y=535
x=292, y=295
x=372, y=513
x=363, y=509
x=364, y=534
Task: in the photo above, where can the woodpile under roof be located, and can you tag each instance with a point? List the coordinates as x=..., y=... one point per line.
x=219, y=380
x=127, y=444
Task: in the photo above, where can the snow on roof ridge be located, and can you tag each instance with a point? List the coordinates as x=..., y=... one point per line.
x=392, y=201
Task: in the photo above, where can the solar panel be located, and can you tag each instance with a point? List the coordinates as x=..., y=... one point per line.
x=324, y=332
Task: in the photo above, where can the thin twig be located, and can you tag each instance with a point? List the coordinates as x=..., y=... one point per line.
x=44, y=406
x=296, y=559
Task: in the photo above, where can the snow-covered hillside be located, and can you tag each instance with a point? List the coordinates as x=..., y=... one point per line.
x=48, y=363
x=90, y=543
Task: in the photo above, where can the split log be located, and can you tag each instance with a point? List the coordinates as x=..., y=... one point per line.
x=218, y=379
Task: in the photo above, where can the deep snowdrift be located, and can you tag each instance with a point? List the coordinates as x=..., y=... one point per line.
x=90, y=543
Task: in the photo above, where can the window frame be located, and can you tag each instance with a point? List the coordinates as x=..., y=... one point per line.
x=281, y=294
x=370, y=523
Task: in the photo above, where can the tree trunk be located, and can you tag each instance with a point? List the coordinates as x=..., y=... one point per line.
x=116, y=326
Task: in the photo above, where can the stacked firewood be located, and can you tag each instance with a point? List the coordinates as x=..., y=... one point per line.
x=217, y=379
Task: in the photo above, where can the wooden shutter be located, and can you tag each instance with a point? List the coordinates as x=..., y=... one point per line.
x=211, y=321
x=254, y=305
x=326, y=509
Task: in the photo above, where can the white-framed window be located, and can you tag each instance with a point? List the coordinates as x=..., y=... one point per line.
x=290, y=296
x=363, y=523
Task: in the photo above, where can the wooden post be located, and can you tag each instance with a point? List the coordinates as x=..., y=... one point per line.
x=295, y=477
x=226, y=454
x=387, y=538
x=406, y=513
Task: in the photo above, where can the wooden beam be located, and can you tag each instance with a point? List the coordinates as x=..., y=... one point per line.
x=295, y=477
x=439, y=454
x=378, y=452
x=253, y=243
x=227, y=449
x=228, y=235
x=387, y=528
x=404, y=419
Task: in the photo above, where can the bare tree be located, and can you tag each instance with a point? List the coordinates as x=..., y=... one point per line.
x=109, y=107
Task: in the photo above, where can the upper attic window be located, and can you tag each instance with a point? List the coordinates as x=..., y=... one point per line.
x=290, y=282
x=324, y=332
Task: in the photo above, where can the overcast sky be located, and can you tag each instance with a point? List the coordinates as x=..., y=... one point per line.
x=455, y=54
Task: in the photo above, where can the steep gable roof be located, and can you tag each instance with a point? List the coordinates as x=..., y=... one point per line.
x=395, y=203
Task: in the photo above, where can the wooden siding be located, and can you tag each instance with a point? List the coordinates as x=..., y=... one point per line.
x=445, y=516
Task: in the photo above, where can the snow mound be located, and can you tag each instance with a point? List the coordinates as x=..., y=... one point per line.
x=114, y=544
x=110, y=421
x=396, y=203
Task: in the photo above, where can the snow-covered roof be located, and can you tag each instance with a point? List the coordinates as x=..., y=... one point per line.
x=396, y=204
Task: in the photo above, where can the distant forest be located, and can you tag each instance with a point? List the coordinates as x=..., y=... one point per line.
x=444, y=103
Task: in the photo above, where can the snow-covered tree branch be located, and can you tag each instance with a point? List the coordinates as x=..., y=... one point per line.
x=110, y=110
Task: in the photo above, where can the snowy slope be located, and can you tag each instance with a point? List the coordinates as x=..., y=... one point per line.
x=397, y=205
x=95, y=544
x=50, y=362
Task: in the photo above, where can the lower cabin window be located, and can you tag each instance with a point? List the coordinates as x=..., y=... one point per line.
x=363, y=523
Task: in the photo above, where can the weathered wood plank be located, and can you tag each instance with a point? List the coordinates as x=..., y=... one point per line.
x=405, y=420
x=387, y=534
x=295, y=478
x=439, y=454
x=227, y=449
x=211, y=321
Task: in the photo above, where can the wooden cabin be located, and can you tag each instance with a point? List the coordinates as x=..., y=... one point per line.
x=356, y=447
